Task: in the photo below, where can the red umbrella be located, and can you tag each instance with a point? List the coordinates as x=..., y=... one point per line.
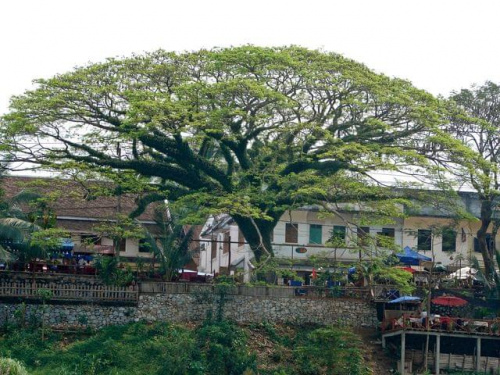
x=451, y=301
x=408, y=269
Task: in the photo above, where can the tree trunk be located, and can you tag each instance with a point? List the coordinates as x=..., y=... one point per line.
x=258, y=234
x=494, y=233
x=486, y=214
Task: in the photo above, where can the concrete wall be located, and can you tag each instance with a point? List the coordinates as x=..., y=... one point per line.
x=194, y=307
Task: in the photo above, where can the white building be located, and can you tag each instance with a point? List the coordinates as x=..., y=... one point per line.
x=306, y=232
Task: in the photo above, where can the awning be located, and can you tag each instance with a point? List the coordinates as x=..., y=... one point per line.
x=95, y=249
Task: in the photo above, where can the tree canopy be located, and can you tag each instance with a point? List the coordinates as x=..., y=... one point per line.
x=476, y=160
x=237, y=130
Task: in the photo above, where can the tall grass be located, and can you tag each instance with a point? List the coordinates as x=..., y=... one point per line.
x=214, y=347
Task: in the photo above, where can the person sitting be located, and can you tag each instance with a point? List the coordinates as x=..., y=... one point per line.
x=459, y=325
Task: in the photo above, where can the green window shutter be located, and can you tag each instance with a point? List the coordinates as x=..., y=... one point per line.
x=315, y=234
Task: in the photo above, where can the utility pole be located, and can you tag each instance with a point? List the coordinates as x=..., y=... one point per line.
x=429, y=296
x=229, y=256
x=118, y=206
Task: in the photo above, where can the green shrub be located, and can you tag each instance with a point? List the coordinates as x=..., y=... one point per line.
x=216, y=347
x=331, y=351
x=223, y=346
x=12, y=367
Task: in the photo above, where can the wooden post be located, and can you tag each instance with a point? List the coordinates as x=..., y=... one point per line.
x=438, y=353
x=403, y=348
x=478, y=354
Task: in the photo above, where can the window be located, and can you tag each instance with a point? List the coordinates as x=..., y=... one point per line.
x=90, y=239
x=489, y=243
x=449, y=240
x=385, y=238
x=338, y=236
x=363, y=236
x=144, y=246
x=241, y=238
x=292, y=233
x=226, y=243
x=424, y=239
x=214, y=249
x=123, y=244
x=315, y=234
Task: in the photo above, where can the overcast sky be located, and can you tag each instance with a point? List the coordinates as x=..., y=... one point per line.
x=439, y=45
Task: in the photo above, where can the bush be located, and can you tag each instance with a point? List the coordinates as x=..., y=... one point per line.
x=333, y=351
x=214, y=348
x=109, y=271
x=223, y=346
x=11, y=367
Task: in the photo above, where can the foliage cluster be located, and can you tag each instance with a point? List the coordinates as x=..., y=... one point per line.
x=248, y=131
x=27, y=225
x=109, y=271
x=10, y=366
x=215, y=347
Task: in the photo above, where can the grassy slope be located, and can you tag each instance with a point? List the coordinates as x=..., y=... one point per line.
x=213, y=348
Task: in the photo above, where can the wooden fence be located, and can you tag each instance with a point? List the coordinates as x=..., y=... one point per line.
x=85, y=289
x=257, y=291
x=455, y=362
x=67, y=291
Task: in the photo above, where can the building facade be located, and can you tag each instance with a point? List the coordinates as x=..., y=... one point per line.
x=345, y=238
x=71, y=206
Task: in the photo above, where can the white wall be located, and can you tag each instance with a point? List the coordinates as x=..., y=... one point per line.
x=465, y=248
x=404, y=235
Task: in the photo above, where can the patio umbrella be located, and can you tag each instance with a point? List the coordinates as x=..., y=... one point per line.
x=450, y=301
x=411, y=257
x=440, y=268
x=463, y=273
x=406, y=299
x=408, y=269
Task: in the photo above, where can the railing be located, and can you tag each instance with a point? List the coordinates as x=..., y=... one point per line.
x=67, y=291
x=258, y=291
x=86, y=289
x=444, y=324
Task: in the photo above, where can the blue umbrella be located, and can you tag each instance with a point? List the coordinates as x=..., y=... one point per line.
x=405, y=299
x=67, y=244
x=411, y=257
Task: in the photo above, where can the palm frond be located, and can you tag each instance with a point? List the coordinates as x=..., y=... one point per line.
x=16, y=229
x=5, y=255
x=25, y=196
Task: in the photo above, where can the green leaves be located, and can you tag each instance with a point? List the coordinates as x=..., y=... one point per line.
x=250, y=130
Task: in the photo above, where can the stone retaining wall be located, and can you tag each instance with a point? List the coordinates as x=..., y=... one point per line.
x=192, y=307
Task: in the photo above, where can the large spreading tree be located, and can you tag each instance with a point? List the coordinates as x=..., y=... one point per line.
x=237, y=130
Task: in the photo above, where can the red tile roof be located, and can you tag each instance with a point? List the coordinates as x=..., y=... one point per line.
x=71, y=199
